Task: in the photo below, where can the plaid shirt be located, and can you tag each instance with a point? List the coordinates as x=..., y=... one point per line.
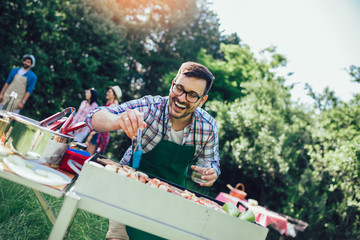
x=206, y=135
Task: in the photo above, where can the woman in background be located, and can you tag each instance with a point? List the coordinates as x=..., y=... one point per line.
x=85, y=107
x=99, y=141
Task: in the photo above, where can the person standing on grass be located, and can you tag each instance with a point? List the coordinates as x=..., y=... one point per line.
x=22, y=81
x=176, y=132
x=85, y=108
x=97, y=140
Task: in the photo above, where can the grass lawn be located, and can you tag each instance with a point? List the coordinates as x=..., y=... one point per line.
x=21, y=216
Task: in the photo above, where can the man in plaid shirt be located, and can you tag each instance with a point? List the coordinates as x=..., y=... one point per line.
x=176, y=133
x=180, y=112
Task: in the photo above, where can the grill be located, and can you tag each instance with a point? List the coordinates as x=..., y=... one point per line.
x=138, y=205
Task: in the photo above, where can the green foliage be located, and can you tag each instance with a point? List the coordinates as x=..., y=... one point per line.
x=354, y=72
x=334, y=176
x=76, y=47
x=236, y=66
x=263, y=138
x=309, y=163
x=292, y=160
x=160, y=35
x=282, y=151
x=239, y=66
x=323, y=101
x=82, y=44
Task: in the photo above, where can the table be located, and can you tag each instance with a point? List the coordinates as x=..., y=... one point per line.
x=38, y=190
x=264, y=217
x=138, y=205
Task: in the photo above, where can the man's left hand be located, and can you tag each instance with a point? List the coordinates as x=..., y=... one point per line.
x=208, y=174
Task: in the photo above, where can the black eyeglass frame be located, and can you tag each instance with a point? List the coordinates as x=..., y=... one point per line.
x=186, y=93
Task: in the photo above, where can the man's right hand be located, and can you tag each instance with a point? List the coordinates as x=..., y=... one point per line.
x=130, y=121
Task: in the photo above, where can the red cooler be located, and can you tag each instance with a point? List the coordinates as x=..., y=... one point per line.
x=78, y=156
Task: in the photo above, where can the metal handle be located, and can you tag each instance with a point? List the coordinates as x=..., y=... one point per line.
x=75, y=127
x=57, y=124
x=75, y=166
x=242, y=204
x=65, y=126
x=139, y=135
x=56, y=116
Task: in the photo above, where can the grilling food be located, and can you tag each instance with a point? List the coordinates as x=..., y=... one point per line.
x=111, y=168
x=129, y=172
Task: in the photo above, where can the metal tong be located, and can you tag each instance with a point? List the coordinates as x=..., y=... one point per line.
x=137, y=151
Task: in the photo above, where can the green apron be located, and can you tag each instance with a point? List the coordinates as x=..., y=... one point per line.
x=166, y=160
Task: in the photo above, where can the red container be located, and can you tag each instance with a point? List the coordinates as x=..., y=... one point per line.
x=78, y=156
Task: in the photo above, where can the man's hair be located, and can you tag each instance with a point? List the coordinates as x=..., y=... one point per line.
x=29, y=59
x=196, y=70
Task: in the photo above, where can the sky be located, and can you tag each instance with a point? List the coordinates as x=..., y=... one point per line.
x=319, y=38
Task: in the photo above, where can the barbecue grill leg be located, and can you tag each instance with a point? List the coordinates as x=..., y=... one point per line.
x=65, y=216
x=49, y=213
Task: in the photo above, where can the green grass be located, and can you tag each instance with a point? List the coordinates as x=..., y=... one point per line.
x=21, y=216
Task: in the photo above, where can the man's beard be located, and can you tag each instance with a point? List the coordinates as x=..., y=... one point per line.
x=185, y=114
x=25, y=66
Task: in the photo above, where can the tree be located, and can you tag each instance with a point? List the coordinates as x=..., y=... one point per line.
x=324, y=101
x=160, y=35
x=333, y=175
x=82, y=44
x=76, y=47
x=354, y=72
x=239, y=65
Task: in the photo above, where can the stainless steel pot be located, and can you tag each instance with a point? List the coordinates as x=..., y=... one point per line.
x=26, y=135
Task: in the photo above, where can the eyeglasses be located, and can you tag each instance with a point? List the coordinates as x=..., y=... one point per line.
x=191, y=96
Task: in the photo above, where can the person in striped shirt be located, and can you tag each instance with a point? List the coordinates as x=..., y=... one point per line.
x=177, y=134
x=177, y=118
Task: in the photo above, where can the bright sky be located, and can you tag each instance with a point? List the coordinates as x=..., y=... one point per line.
x=320, y=38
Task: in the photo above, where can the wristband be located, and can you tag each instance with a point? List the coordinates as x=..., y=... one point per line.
x=23, y=102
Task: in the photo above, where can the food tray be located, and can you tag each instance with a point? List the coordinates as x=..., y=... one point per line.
x=104, y=161
x=136, y=204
